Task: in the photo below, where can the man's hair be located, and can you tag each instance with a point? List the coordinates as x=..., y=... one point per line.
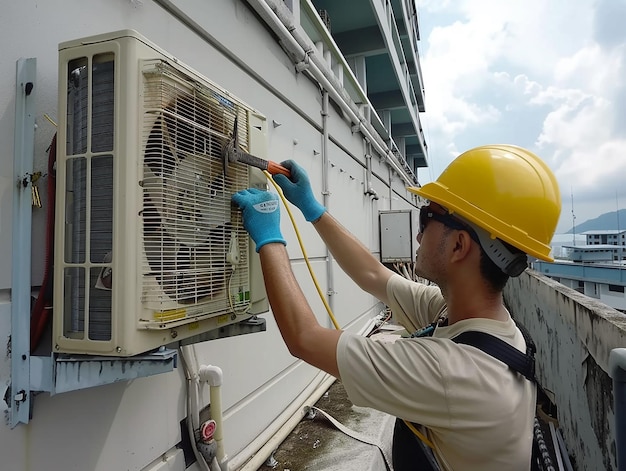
x=492, y=274
x=499, y=260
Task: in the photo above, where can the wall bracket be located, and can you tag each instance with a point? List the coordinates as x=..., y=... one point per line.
x=63, y=373
x=19, y=396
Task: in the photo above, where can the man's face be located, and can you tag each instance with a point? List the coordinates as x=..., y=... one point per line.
x=431, y=263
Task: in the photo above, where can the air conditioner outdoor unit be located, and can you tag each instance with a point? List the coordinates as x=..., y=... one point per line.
x=148, y=248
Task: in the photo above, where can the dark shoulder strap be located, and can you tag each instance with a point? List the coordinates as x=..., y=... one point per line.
x=522, y=363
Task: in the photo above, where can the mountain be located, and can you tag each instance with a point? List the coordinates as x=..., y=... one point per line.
x=607, y=221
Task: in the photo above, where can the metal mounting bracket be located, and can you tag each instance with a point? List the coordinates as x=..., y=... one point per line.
x=23, y=155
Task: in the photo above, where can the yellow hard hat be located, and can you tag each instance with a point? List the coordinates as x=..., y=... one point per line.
x=504, y=189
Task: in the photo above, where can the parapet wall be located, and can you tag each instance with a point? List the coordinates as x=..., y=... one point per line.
x=574, y=335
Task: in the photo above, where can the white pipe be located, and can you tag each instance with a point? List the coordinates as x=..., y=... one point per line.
x=280, y=22
x=259, y=449
x=192, y=409
x=213, y=376
x=308, y=396
x=330, y=278
x=210, y=374
x=276, y=437
x=266, y=443
x=390, y=175
x=369, y=189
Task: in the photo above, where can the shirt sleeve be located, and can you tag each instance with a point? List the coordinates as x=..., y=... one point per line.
x=413, y=305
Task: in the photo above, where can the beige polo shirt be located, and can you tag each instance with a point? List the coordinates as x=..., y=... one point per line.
x=479, y=414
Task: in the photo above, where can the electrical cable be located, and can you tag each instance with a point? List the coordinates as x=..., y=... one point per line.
x=306, y=258
x=231, y=296
x=43, y=305
x=192, y=410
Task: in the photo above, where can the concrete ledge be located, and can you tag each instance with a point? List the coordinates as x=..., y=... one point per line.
x=574, y=335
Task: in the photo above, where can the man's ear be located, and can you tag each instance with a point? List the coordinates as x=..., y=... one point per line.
x=462, y=245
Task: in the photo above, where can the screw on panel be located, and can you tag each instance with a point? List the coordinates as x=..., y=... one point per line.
x=174, y=334
x=20, y=396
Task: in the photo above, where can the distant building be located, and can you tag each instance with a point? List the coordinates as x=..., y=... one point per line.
x=596, y=268
x=594, y=253
x=610, y=237
x=559, y=241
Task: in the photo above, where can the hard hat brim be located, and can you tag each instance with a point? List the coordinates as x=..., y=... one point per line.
x=439, y=194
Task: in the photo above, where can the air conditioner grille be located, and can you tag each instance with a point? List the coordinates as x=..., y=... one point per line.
x=190, y=229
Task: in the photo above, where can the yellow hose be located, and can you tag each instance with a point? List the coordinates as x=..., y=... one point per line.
x=279, y=190
x=306, y=258
x=419, y=434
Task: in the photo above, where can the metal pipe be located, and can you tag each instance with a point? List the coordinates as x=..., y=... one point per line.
x=279, y=18
x=369, y=189
x=390, y=174
x=330, y=283
x=257, y=451
x=617, y=370
x=325, y=160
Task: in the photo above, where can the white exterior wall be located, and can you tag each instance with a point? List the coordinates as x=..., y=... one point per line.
x=131, y=425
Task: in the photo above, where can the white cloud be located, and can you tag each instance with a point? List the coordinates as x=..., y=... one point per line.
x=487, y=60
x=577, y=120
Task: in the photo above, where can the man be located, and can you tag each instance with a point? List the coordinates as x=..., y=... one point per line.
x=487, y=210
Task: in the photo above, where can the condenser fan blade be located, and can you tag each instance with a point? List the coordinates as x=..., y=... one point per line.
x=198, y=272
x=159, y=155
x=187, y=208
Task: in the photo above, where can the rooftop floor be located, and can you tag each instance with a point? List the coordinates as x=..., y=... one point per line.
x=316, y=444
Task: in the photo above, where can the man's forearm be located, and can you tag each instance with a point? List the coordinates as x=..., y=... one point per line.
x=353, y=257
x=304, y=336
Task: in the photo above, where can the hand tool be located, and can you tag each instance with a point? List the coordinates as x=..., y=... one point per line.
x=232, y=153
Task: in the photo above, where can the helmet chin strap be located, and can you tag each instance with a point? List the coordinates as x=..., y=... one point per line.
x=513, y=263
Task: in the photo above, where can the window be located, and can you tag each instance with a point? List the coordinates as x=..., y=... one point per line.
x=616, y=288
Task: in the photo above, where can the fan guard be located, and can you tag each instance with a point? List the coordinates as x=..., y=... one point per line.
x=187, y=210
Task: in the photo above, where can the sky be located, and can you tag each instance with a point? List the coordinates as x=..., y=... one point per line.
x=549, y=76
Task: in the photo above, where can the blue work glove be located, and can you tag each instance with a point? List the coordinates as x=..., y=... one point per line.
x=261, y=215
x=297, y=190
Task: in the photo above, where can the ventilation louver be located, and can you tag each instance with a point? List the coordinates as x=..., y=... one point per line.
x=148, y=248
